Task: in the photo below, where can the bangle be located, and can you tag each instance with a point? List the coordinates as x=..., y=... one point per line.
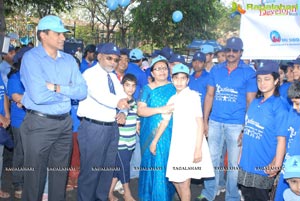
x=55, y=87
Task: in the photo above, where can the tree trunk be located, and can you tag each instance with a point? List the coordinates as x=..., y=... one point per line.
x=2, y=18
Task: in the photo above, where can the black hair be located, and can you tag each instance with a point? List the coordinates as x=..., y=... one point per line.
x=276, y=91
x=294, y=90
x=38, y=33
x=284, y=68
x=129, y=77
x=89, y=48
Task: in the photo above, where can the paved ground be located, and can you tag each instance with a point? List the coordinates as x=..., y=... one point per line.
x=71, y=195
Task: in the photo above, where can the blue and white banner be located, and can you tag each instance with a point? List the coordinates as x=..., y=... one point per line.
x=270, y=29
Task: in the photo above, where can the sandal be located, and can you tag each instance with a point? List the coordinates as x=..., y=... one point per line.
x=18, y=194
x=4, y=194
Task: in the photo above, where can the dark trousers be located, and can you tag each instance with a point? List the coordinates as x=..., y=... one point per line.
x=255, y=194
x=47, y=143
x=98, y=145
x=123, y=165
x=18, y=159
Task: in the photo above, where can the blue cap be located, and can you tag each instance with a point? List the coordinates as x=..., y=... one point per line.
x=166, y=52
x=157, y=59
x=267, y=67
x=136, y=54
x=20, y=54
x=53, y=23
x=108, y=48
x=234, y=43
x=199, y=56
x=292, y=167
x=180, y=68
x=155, y=53
x=207, y=49
x=297, y=61
x=177, y=58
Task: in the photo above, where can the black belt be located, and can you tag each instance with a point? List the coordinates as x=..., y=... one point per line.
x=100, y=122
x=49, y=116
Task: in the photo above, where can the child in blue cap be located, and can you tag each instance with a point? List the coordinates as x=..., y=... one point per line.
x=189, y=154
x=293, y=135
x=292, y=177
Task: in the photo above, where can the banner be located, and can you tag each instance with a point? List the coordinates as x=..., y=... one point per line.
x=270, y=29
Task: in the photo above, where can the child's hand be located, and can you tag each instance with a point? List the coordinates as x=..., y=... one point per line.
x=197, y=155
x=5, y=121
x=153, y=148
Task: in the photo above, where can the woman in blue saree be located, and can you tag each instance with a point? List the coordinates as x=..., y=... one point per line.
x=153, y=184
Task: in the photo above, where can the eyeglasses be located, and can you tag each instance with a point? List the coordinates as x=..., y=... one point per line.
x=160, y=68
x=109, y=58
x=231, y=50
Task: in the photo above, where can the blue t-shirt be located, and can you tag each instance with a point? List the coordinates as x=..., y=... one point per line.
x=140, y=76
x=2, y=94
x=85, y=65
x=283, y=90
x=76, y=120
x=264, y=122
x=229, y=104
x=15, y=86
x=292, y=147
x=199, y=84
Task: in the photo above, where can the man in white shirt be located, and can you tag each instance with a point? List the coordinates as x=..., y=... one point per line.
x=98, y=134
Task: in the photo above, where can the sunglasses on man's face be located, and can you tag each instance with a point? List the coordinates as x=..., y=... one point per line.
x=109, y=58
x=231, y=50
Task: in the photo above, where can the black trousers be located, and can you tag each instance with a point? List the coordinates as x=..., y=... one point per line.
x=98, y=145
x=47, y=145
x=255, y=194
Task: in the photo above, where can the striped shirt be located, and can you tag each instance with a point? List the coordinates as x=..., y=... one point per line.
x=127, y=137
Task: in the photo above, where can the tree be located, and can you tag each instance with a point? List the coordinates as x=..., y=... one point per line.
x=153, y=21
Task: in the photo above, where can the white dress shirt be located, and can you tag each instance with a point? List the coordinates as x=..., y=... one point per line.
x=100, y=104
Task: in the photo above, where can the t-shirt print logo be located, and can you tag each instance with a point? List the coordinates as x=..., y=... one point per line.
x=226, y=94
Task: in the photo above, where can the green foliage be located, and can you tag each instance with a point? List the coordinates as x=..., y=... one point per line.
x=153, y=21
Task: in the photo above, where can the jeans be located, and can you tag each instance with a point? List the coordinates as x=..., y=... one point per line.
x=18, y=159
x=219, y=133
x=135, y=159
x=1, y=162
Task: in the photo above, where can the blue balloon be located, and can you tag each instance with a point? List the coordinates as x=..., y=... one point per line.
x=232, y=15
x=124, y=3
x=112, y=4
x=177, y=16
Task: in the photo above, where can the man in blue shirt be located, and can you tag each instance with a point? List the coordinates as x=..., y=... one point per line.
x=51, y=79
x=136, y=56
x=199, y=78
x=7, y=61
x=231, y=87
x=89, y=58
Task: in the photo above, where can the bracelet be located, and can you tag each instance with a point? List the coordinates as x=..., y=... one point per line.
x=55, y=87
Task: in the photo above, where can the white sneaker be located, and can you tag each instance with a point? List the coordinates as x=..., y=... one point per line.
x=119, y=188
x=221, y=190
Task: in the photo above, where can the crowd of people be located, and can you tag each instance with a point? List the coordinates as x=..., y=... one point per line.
x=97, y=119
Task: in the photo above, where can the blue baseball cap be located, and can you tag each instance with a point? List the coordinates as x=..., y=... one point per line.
x=297, y=61
x=166, y=52
x=267, y=67
x=180, y=68
x=177, y=58
x=292, y=167
x=234, y=43
x=136, y=54
x=207, y=49
x=20, y=54
x=53, y=23
x=155, y=53
x=157, y=59
x=108, y=48
x=199, y=56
